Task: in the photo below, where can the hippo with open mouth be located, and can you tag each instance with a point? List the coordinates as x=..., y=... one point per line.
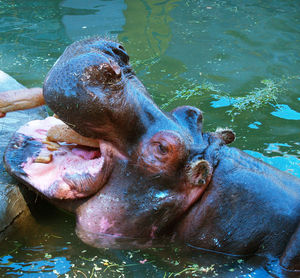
x=149, y=176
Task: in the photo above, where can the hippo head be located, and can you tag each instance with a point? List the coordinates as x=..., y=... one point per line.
x=148, y=169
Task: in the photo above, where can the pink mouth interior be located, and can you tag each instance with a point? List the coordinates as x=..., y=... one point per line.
x=68, y=159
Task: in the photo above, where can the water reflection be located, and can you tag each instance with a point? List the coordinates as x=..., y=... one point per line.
x=285, y=112
x=286, y=163
x=91, y=18
x=52, y=267
x=147, y=31
x=255, y=125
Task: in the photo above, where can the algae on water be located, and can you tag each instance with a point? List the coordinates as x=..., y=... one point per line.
x=260, y=97
x=191, y=89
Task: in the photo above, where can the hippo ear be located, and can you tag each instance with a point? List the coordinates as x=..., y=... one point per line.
x=103, y=74
x=199, y=172
x=225, y=134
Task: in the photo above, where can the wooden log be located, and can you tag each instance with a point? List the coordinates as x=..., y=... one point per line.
x=14, y=212
x=21, y=99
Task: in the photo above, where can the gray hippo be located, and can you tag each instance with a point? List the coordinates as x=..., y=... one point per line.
x=149, y=176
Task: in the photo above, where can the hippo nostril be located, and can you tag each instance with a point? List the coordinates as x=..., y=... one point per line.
x=107, y=52
x=121, y=47
x=120, y=51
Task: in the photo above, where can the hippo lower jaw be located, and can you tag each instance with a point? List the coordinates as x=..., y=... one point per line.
x=117, y=241
x=68, y=172
x=73, y=173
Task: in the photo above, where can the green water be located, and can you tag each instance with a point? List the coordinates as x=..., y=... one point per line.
x=215, y=52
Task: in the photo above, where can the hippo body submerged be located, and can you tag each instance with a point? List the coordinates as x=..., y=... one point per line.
x=249, y=207
x=157, y=169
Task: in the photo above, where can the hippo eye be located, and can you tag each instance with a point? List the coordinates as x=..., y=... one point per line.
x=122, y=54
x=163, y=153
x=162, y=149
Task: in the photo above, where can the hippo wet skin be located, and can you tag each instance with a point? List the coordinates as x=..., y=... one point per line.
x=155, y=175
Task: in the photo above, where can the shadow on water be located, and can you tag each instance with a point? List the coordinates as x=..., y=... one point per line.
x=175, y=46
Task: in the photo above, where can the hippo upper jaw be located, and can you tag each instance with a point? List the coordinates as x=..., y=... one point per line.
x=67, y=173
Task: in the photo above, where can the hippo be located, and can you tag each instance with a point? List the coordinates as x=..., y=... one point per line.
x=153, y=177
